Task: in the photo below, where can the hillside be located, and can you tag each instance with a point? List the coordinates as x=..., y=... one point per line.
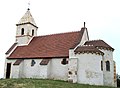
x=40, y=83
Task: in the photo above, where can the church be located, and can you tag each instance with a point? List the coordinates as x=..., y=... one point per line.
x=69, y=56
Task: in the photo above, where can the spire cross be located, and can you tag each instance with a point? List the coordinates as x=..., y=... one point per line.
x=29, y=5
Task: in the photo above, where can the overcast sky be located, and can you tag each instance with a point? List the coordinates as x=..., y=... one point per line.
x=102, y=19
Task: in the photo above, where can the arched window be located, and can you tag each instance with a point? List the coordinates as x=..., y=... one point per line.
x=107, y=66
x=33, y=62
x=32, y=32
x=22, y=31
x=102, y=65
x=64, y=61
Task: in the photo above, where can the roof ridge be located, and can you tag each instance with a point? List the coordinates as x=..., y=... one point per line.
x=99, y=43
x=88, y=49
x=27, y=18
x=85, y=45
x=94, y=40
x=57, y=34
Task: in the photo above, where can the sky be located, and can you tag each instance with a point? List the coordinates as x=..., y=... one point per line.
x=102, y=19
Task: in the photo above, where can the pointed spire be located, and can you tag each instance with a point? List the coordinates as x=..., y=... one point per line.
x=28, y=9
x=27, y=18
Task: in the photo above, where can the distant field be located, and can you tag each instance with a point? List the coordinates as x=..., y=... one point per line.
x=41, y=83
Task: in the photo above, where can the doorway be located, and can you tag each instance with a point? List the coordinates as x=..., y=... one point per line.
x=8, y=70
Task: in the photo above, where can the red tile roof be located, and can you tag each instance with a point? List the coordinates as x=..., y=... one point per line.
x=11, y=48
x=99, y=44
x=93, y=47
x=18, y=61
x=87, y=49
x=49, y=46
x=45, y=61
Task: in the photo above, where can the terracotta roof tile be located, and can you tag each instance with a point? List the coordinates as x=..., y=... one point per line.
x=87, y=49
x=11, y=48
x=99, y=44
x=44, y=62
x=56, y=45
x=17, y=62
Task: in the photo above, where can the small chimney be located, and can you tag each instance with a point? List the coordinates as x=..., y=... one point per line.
x=84, y=25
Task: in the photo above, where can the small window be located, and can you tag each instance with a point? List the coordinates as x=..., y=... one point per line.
x=64, y=61
x=107, y=66
x=33, y=62
x=101, y=65
x=22, y=31
x=32, y=32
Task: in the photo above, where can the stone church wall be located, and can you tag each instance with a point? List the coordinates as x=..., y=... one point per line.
x=89, y=69
x=72, y=70
x=108, y=75
x=24, y=39
x=53, y=70
x=11, y=70
x=35, y=71
x=57, y=70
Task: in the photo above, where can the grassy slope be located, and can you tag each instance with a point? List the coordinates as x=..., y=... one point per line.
x=38, y=83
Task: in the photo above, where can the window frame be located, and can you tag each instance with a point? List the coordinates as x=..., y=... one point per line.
x=107, y=65
x=22, y=31
x=101, y=65
x=33, y=32
x=64, y=61
x=33, y=62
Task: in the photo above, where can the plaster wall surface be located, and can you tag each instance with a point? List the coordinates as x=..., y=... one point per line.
x=89, y=69
x=108, y=75
x=11, y=70
x=36, y=71
x=54, y=69
x=21, y=69
x=72, y=70
x=72, y=53
x=5, y=68
x=15, y=71
x=24, y=39
x=85, y=37
x=27, y=30
x=49, y=69
x=58, y=70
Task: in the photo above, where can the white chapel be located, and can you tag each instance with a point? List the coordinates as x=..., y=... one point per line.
x=67, y=56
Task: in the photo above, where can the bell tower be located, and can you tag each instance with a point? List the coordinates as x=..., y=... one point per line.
x=26, y=29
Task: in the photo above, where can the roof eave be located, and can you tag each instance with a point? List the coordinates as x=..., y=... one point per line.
x=26, y=23
x=38, y=57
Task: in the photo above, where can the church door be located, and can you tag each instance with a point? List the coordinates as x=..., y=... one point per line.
x=8, y=70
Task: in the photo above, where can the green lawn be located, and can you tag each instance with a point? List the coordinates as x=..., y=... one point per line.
x=41, y=83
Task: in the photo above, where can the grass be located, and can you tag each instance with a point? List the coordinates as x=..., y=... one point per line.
x=41, y=83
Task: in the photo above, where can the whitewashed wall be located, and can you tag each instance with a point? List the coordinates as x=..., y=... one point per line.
x=108, y=75
x=54, y=69
x=36, y=71
x=72, y=70
x=89, y=69
x=5, y=68
x=15, y=71
x=24, y=39
x=85, y=38
x=21, y=66
x=12, y=62
x=49, y=69
x=58, y=70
